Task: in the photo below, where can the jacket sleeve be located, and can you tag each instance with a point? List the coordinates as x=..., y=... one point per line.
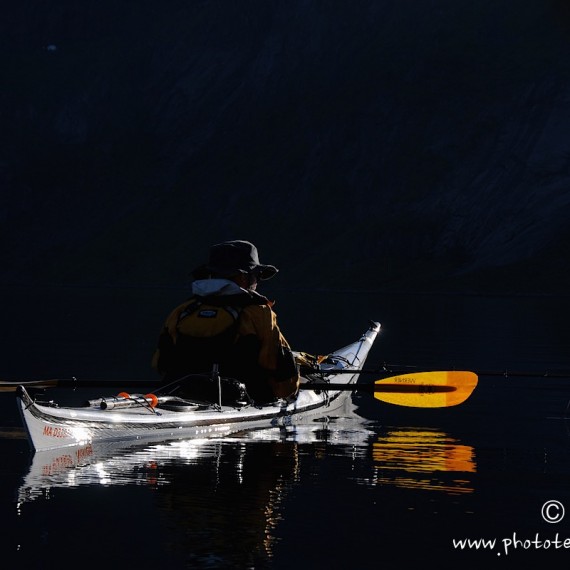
x=275, y=354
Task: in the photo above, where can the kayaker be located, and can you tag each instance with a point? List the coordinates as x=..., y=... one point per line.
x=228, y=323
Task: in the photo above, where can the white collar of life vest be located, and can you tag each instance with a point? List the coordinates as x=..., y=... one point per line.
x=206, y=287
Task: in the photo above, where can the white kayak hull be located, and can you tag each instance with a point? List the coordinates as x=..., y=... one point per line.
x=50, y=427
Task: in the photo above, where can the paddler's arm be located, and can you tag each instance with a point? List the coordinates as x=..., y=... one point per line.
x=275, y=354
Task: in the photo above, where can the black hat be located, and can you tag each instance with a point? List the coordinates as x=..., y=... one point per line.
x=232, y=257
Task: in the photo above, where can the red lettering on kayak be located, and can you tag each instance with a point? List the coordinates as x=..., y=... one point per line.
x=50, y=431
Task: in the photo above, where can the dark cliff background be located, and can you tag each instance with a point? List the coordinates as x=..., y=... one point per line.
x=375, y=144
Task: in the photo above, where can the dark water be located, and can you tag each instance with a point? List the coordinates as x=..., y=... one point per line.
x=374, y=484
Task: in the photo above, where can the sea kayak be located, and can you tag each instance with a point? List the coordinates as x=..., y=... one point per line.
x=157, y=418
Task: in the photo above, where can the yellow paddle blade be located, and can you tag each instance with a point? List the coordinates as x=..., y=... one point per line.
x=427, y=389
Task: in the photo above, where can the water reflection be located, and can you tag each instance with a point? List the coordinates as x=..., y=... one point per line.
x=219, y=502
x=250, y=481
x=423, y=458
x=223, y=503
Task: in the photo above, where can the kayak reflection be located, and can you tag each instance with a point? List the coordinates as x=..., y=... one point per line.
x=423, y=458
x=222, y=502
x=220, y=498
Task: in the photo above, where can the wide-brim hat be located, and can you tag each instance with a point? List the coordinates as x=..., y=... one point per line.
x=233, y=257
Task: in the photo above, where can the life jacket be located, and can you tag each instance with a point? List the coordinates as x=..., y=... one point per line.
x=205, y=320
x=203, y=332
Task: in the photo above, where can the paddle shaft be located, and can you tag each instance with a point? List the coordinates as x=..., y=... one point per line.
x=412, y=370
x=376, y=388
x=75, y=383
x=94, y=383
x=62, y=383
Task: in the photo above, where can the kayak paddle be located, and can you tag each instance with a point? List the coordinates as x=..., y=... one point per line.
x=420, y=389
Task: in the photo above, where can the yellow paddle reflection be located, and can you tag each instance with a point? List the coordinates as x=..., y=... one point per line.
x=423, y=459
